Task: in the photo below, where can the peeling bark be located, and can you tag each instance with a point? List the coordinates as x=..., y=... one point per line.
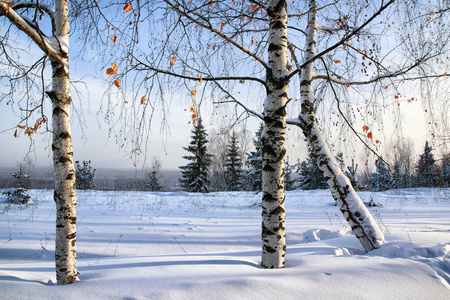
x=351, y=206
x=273, y=140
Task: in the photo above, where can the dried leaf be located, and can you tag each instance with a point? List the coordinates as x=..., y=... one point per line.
x=337, y=61
x=114, y=39
x=143, y=99
x=21, y=126
x=369, y=135
x=112, y=70
x=117, y=83
x=201, y=78
x=365, y=128
x=127, y=8
x=194, y=92
x=172, y=61
x=222, y=26
x=194, y=116
x=348, y=85
x=15, y=133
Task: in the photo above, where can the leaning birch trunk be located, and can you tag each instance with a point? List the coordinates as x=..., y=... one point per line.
x=352, y=207
x=273, y=140
x=64, y=194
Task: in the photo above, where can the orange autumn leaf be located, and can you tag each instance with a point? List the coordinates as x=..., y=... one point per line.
x=358, y=50
x=143, y=99
x=194, y=103
x=15, y=133
x=172, y=61
x=364, y=58
x=194, y=92
x=255, y=6
x=194, y=116
x=377, y=141
x=369, y=135
x=21, y=126
x=114, y=39
x=365, y=128
x=117, y=83
x=253, y=41
x=337, y=61
x=348, y=85
x=127, y=8
x=222, y=26
x=112, y=70
x=201, y=78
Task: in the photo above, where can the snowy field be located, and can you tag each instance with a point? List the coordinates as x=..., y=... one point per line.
x=136, y=245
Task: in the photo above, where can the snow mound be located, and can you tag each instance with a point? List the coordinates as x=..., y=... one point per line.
x=314, y=235
x=436, y=257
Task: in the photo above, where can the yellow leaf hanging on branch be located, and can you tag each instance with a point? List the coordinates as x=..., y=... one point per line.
x=194, y=92
x=127, y=8
x=112, y=70
x=117, y=83
x=143, y=99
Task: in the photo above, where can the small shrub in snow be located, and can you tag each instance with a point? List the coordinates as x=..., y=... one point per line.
x=19, y=195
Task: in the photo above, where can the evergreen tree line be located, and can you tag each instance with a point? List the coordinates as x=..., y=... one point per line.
x=244, y=174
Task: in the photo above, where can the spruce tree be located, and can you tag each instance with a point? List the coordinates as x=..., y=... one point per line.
x=288, y=181
x=233, y=165
x=397, y=176
x=84, y=175
x=424, y=168
x=195, y=174
x=254, y=163
x=310, y=176
x=381, y=180
x=19, y=195
x=153, y=182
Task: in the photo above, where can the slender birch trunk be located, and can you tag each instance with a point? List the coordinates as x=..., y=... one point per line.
x=57, y=49
x=273, y=140
x=352, y=207
x=65, y=193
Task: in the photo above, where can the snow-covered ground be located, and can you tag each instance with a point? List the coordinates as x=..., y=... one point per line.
x=136, y=245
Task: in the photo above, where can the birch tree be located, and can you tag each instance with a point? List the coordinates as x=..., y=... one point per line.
x=253, y=54
x=56, y=49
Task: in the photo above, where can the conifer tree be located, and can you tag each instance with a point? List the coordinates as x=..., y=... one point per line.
x=397, y=176
x=288, y=181
x=424, y=168
x=254, y=163
x=381, y=180
x=233, y=165
x=310, y=176
x=84, y=175
x=19, y=195
x=153, y=182
x=195, y=174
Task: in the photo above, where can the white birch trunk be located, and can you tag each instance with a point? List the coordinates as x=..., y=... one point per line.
x=65, y=194
x=352, y=207
x=273, y=140
x=57, y=49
